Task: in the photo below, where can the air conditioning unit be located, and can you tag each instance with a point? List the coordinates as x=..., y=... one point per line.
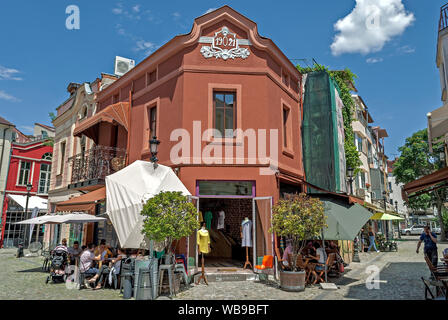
x=123, y=65
x=361, y=193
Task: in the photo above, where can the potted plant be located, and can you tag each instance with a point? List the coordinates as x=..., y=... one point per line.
x=169, y=216
x=297, y=218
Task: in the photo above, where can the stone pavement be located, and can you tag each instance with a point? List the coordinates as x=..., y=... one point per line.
x=399, y=278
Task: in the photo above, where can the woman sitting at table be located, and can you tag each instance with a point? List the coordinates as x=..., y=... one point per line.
x=103, y=250
x=320, y=257
x=113, y=267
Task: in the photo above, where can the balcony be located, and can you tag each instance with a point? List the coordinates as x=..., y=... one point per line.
x=443, y=21
x=89, y=169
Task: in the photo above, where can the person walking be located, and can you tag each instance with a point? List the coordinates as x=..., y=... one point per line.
x=430, y=248
x=372, y=240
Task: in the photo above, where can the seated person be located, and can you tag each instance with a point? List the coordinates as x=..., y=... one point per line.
x=114, y=266
x=286, y=253
x=445, y=255
x=320, y=257
x=74, y=252
x=86, y=262
x=103, y=250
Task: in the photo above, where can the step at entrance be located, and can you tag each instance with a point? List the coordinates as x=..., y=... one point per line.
x=227, y=274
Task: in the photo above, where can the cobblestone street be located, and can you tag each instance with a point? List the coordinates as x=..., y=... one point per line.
x=399, y=279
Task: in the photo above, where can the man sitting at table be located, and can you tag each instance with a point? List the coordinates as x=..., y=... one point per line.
x=113, y=267
x=87, y=259
x=103, y=250
x=74, y=252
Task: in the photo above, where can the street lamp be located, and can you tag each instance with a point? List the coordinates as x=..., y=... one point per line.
x=29, y=186
x=154, y=146
x=350, y=178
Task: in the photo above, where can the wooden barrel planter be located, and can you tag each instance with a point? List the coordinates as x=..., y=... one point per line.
x=292, y=281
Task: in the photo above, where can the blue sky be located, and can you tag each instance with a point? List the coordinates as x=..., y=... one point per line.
x=398, y=78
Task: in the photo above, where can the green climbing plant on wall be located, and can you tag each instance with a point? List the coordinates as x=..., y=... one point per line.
x=343, y=80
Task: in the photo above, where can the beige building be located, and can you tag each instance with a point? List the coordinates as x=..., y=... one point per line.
x=7, y=135
x=79, y=106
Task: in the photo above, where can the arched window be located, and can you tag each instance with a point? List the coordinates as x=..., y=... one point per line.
x=47, y=156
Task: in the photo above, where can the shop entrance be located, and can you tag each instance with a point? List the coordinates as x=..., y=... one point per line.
x=227, y=254
x=225, y=231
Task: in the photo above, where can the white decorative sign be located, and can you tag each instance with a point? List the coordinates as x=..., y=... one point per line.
x=224, y=45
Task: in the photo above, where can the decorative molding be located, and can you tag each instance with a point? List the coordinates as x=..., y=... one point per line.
x=224, y=45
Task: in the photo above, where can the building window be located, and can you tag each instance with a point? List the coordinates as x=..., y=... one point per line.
x=24, y=173
x=286, y=127
x=363, y=180
x=151, y=77
x=225, y=111
x=47, y=156
x=359, y=143
x=152, y=122
x=62, y=157
x=44, y=179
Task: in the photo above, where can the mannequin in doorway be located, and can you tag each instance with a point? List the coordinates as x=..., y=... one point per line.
x=246, y=239
x=203, y=240
x=221, y=219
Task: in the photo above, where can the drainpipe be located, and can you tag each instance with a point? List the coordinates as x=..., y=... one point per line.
x=6, y=181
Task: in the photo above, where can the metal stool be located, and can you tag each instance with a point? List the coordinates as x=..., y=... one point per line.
x=181, y=268
x=170, y=269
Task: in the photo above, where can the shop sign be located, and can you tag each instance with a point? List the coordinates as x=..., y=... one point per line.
x=224, y=45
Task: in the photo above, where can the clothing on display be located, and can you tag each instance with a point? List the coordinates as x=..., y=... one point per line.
x=246, y=231
x=201, y=219
x=203, y=240
x=208, y=219
x=221, y=218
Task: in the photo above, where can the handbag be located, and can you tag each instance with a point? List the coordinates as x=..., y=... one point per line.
x=341, y=267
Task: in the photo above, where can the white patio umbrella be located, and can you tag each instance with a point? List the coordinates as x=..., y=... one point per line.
x=128, y=189
x=46, y=219
x=75, y=217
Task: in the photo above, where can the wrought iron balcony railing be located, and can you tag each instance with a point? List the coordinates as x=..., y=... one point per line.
x=97, y=163
x=443, y=21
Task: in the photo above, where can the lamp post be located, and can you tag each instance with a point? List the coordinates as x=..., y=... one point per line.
x=350, y=179
x=154, y=146
x=28, y=193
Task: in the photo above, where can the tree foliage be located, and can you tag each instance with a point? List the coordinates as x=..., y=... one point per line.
x=414, y=162
x=343, y=79
x=298, y=218
x=169, y=216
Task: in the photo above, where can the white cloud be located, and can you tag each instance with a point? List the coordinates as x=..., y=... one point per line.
x=9, y=74
x=210, y=10
x=117, y=10
x=26, y=129
x=405, y=49
x=374, y=60
x=8, y=97
x=370, y=25
x=136, y=8
x=176, y=15
x=145, y=46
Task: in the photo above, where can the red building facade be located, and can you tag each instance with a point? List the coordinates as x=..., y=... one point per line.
x=30, y=164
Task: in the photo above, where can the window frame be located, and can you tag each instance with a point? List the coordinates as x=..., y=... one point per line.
x=234, y=111
x=47, y=178
x=19, y=174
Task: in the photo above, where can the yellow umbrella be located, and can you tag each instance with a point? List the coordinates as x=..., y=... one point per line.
x=385, y=216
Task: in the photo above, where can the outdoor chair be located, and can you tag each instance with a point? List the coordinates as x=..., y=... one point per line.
x=46, y=253
x=321, y=273
x=437, y=273
x=441, y=289
x=170, y=270
x=266, y=265
x=83, y=276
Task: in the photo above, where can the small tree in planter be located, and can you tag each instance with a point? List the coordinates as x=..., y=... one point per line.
x=298, y=218
x=169, y=216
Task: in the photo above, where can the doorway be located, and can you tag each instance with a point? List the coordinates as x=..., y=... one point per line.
x=225, y=233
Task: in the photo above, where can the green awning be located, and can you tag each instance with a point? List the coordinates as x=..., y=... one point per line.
x=344, y=221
